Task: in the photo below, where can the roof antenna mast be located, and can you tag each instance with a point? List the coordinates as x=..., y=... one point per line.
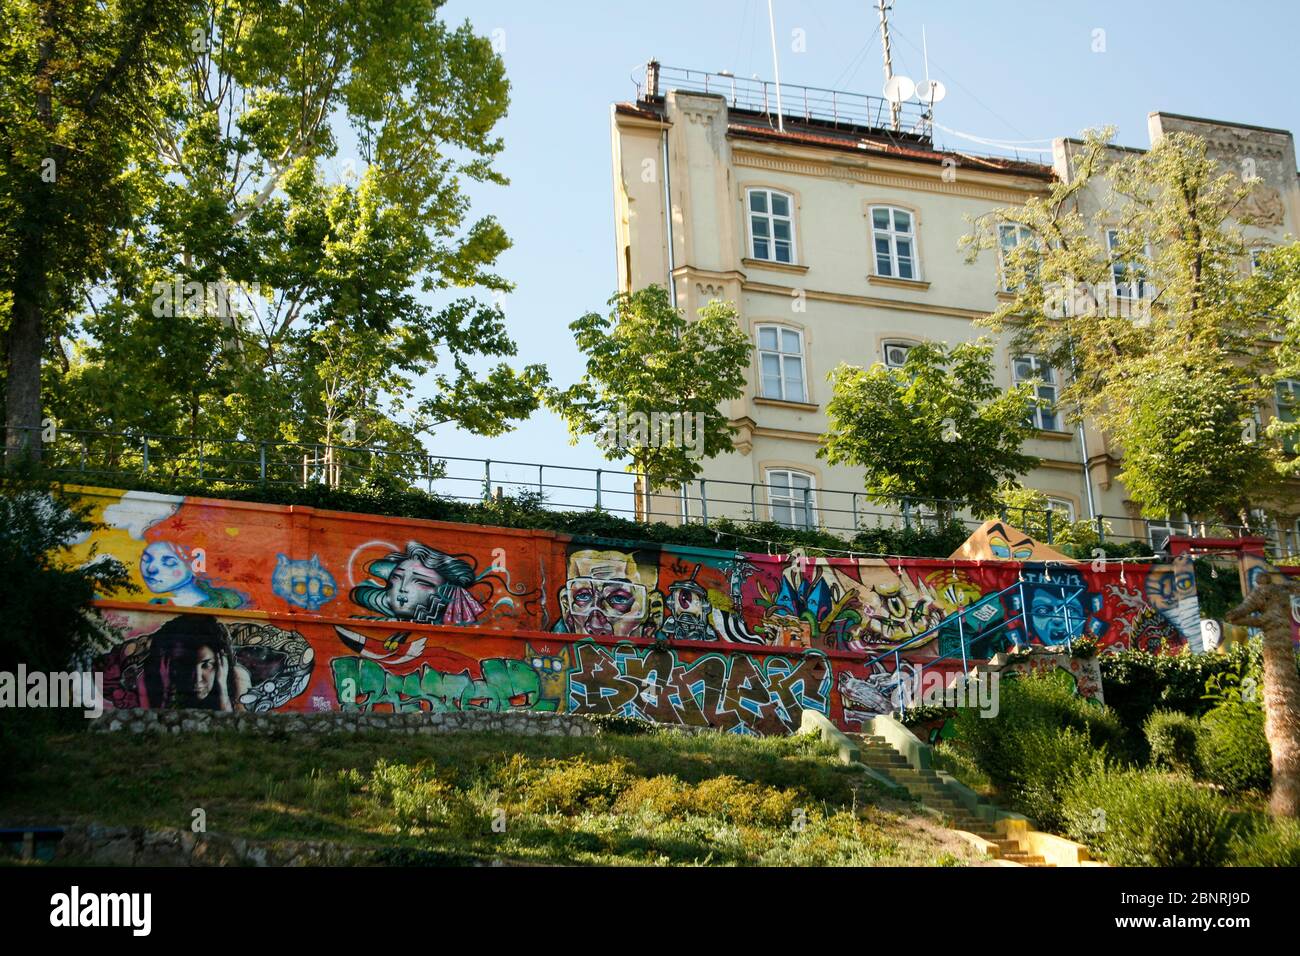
x=894, y=104
x=776, y=68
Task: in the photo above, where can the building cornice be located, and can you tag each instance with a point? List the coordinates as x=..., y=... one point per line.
x=882, y=171
x=845, y=298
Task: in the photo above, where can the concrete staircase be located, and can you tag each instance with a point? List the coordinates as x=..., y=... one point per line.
x=926, y=786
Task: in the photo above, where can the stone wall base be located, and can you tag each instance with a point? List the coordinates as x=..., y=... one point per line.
x=532, y=723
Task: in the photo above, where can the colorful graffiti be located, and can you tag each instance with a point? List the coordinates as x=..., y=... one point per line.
x=734, y=692
x=462, y=617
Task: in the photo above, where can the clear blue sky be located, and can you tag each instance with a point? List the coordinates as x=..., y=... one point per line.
x=1014, y=71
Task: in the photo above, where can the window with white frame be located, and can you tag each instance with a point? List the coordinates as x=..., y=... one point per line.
x=1010, y=235
x=1160, y=529
x=1127, y=277
x=780, y=362
x=895, y=353
x=1062, y=510
x=791, y=497
x=893, y=238
x=1028, y=368
x=771, y=226
x=1288, y=408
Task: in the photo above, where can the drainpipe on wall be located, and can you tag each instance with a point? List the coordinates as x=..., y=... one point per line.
x=672, y=258
x=1087, y=472
x=1083, y=450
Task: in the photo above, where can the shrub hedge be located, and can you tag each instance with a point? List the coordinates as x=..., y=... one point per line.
x=1233, y=750
x=1043, y=735
x=1140, y=818
x=1173, y=739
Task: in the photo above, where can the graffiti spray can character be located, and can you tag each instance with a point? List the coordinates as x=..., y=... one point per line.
x=689, y=610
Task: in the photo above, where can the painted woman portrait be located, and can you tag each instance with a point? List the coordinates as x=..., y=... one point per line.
x=167, y=569
x=422, y=585
x=191, y=663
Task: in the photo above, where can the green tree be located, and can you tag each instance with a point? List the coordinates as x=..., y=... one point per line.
x=45, y=620
x=938, y=429
x=1172, y=370
x=75, y=97
x=352, y=304
x=1030, y=511
x=647, y=363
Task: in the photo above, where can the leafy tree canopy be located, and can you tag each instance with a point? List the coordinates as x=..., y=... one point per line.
x=938, y=428
x=1163, y=331
x=646, y=359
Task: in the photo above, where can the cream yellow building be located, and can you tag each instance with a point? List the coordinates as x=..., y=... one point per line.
x=837, y=238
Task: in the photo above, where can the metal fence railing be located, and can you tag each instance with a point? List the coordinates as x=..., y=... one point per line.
x=118, y=458
x=811, y=104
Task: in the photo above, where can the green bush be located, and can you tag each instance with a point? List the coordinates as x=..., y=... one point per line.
x=1044, y=734
x=1269, y=842
x=419, y=800
x=1172, y=738
x=1052, y=759
x=44, y=622
x=1233, y=750
x=576, y=786
x=1138, y=683
x=621, y=724
x=1140, y=818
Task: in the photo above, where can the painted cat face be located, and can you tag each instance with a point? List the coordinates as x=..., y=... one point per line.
x=304, y=584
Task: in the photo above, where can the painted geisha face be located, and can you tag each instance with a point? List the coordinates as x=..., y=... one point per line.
x=412, y=586
x=163, y=569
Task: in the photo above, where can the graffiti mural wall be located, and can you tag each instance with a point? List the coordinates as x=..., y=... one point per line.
x=261, y=607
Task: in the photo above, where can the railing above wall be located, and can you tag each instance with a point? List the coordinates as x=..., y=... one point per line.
x=118, y=458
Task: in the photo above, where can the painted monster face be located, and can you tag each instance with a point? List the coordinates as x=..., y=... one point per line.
x=605, y=607
x=1056, y=616
x=1171, y=590
x=1009, y=547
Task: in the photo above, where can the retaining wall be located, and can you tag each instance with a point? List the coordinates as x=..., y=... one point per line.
x=257, y=607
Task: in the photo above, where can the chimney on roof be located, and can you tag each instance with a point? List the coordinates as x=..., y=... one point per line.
x=652, y=79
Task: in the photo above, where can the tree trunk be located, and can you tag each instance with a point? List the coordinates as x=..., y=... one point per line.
x=1282, y=713
x=25, y=340
x=24, y=344
x=1268, y=608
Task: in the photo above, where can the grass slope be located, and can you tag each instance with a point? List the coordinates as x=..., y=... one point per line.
x=654, y=799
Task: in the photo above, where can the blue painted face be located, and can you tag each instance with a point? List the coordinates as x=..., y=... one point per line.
x=1054, y=616
x=164, y=569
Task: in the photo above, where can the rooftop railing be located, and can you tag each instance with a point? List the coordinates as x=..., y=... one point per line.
x=810, y=104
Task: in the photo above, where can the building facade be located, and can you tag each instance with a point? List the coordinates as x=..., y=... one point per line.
x=837, y=238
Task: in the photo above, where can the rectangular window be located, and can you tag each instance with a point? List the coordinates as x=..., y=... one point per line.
x=893, y=238
x=780, y=362
x=1028, y=368
x=1127, y=276
x=771, y=226
x=1062, y=511
x=1158, y=530
x=791, y=498
x=1010, y=235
